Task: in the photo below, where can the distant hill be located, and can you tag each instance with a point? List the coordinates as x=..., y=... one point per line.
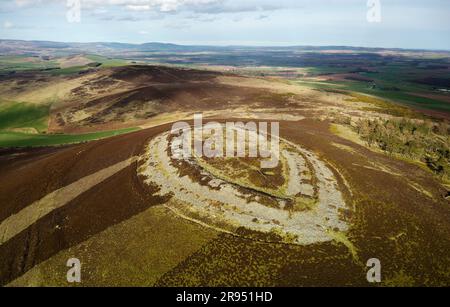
x=20, y=47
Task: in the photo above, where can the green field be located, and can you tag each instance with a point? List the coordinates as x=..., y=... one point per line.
x=393, y=81
x=104, y=61
x=402, y=96
x=16, y=115
x=13, y=63
x=22, y=63
x=24, y=125
x=17, y=139
x=107, y=62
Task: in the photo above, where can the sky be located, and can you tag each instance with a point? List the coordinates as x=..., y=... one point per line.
x=415, y=24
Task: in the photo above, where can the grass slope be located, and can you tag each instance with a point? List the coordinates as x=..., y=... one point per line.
x=17, y=139
x=23, y=115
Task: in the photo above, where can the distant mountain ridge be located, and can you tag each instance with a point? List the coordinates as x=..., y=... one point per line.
x=8, y=47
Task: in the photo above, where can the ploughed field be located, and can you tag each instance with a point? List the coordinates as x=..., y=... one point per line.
x=134, y=215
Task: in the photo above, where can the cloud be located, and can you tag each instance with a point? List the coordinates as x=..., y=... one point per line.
x=224, y=7
x=209, y=7
x=200, y=6
x=120, y=18
x=138, y=7
x=177, y=26
x=21, y=3
x=146, y=5
x=8, y=25
x=25, y=3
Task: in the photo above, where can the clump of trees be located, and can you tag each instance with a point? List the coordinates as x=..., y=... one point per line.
x=414, y=139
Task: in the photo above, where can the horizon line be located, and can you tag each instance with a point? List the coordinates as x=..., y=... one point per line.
x=232, y=45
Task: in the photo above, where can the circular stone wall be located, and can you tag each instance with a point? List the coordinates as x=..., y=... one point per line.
x=297, y=202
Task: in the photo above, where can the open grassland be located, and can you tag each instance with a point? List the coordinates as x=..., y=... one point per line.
x=17, y=139
x=20, y=115
x=106, y=61
x=25, y=125
x=23, y=63
x=401, y=83
x=56, y=66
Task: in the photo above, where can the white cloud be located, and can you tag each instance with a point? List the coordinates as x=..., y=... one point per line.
x=145, y=5
x=138, y=7
x=200, y=6
x=8, y=25
x=22, y=3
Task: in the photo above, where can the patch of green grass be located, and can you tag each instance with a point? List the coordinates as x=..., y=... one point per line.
x=400, y=279
x=22, y=63
x=416, y=101
x=321, y=70
x=399, y=96
x=23, y=115
x=383, y=106
x=106, y=62
x=17, y=139
x=342, y=238
x=68, y=70
x=393, y=82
